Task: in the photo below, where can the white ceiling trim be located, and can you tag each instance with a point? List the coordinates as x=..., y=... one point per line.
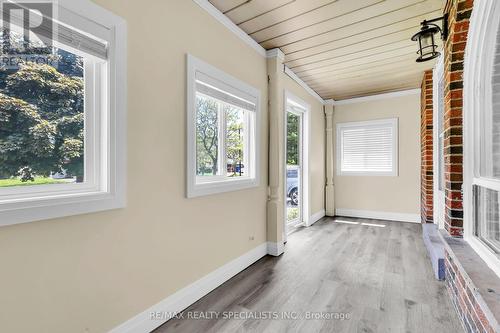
x=209, y=8
x=275, y=53
x=304, y=85
x=375, y=97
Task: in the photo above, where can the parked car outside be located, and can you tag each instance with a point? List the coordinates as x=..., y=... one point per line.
x=292, y=184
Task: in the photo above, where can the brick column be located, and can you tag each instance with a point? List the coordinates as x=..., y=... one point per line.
x=426, y=171
x=459, y=14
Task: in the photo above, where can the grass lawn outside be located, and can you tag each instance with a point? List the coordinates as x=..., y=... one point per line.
x=292, y=213
x=10, y=182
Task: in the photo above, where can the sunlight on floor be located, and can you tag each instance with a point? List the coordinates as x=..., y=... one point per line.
x=361, y=223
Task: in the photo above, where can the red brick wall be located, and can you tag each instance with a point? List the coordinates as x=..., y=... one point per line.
x=426, y=172
x=459, y=14
x=470, y=306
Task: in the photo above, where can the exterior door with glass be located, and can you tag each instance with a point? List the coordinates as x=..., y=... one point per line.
x=294, y=170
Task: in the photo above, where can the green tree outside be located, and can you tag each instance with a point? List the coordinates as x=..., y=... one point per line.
x=42, y=119
x=292, y=137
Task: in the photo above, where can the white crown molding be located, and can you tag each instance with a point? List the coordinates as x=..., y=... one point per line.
x=378, y=97
x=148, y=320
x=215, y=13
x=207, y=6
x=304, y=85
x=275, y=53
x=377, y=215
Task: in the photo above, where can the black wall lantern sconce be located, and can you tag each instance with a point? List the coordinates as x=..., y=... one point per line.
x=426, y=38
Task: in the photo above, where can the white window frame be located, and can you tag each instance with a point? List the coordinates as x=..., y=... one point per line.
x=393, y=122
x=438, y=150
x=105, y=128
x=478, y=70
x=198, y=186
x=299, y=107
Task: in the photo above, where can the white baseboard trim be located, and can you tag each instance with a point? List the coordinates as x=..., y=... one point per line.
x=316, y=217
x=275, y=249
x=377, y=215
x=180, y=300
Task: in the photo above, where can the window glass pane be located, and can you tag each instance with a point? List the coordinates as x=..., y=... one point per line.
x=441, y=175
x=293, y=169
x=440, y=115
x=490, y=140
x=207, y=136
x=235, y=140
x=293, y=190
x=293, y=139
x=41, y=116
x=487, y=223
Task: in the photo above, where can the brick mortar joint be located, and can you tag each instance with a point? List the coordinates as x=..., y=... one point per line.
x=468, y=285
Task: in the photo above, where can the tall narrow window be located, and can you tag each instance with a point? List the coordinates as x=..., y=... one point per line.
x=438, y=135
x=368, y=148
x=222, y=136
x=486, y=199
x=440, y=115
x=482, y=133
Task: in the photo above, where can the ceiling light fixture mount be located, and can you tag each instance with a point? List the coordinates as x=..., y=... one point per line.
x=426, y=40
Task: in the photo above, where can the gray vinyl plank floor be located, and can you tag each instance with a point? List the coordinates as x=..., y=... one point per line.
x=340, y=275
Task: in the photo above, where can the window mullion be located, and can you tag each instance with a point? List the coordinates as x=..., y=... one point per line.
x=491, y=184
x=222, y=139
x=246, y=144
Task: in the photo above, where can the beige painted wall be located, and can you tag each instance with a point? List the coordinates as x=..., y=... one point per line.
x=385, y=194
x=96, y=271
x=316, y=146
x=91, y=272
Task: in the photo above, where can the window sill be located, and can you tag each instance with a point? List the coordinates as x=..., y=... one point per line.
x=37, y=209
x=481, y=282
x=367, y=174
x=202, y=189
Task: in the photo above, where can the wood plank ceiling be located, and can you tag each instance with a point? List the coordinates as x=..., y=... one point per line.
x=340, y=48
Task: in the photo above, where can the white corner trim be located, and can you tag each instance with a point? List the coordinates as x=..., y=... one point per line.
x=180, y=300
x=377, y=215
x=304, y=85
x=230, y=25
x=330, y=102
x=272, y=53
x=275, y=249
x=377, y=97
x=316, y=217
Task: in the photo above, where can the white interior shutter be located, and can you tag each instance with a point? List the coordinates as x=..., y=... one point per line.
x=53, y=30
x=223, y=92
x=368, y=147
